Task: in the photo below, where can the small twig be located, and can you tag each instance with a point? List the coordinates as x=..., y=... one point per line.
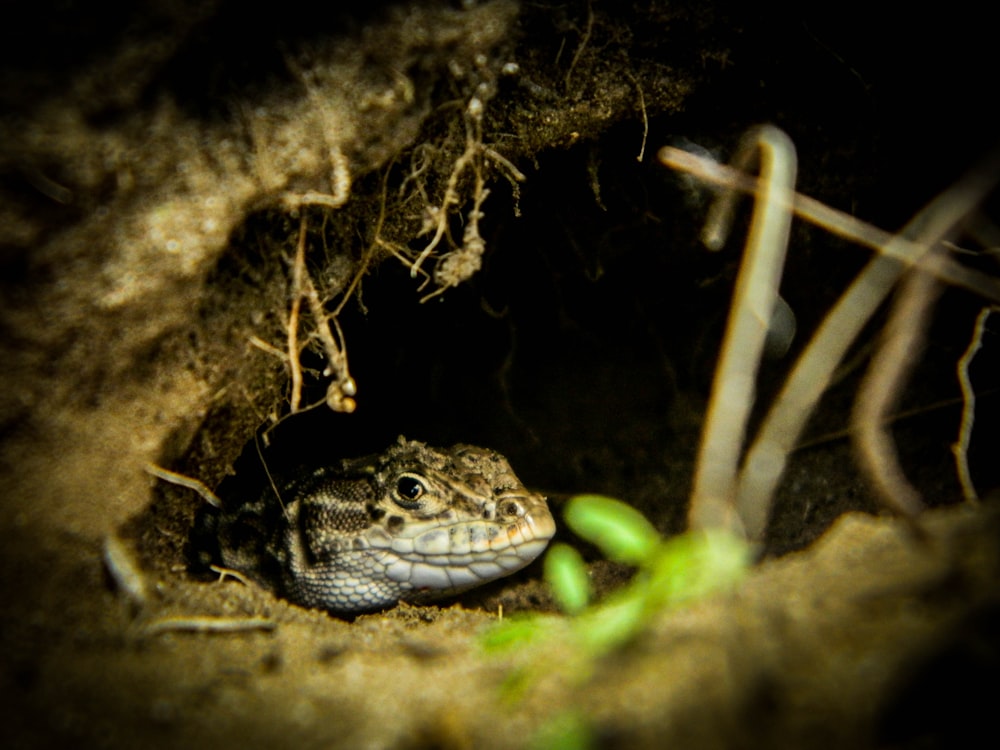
x=960, y=449
x=182, y=481
x=207, y=624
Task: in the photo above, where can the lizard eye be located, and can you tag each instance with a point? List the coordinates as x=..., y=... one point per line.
x=409, y=490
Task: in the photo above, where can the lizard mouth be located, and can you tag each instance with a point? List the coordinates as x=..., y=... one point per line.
x=462, y=554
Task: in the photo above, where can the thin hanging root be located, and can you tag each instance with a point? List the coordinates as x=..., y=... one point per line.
x=901, y=342
x=469, y=157
x=712, y=502
x=645, y=117
x=458, y=265
x=369, y=253
x=342, y=388
x=584, y=39
x=812, y=372
x=460, y=261
x=960, y=449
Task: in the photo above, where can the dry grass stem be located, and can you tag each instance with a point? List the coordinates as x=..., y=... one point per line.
x=894, y=418
x=812, y=372
x=901, y=342
x=712, y=503
x=766, y=457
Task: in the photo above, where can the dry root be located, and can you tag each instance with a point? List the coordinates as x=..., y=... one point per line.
x=342, y=388
x=460, y=260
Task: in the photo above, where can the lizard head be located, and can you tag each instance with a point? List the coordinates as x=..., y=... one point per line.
x=412, y=523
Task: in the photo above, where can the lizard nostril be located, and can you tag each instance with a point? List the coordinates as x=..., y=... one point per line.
x=510, y=508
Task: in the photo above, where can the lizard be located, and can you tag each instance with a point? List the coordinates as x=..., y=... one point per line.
x=412, y=523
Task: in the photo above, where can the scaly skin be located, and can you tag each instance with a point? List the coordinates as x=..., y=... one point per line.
x=413, y=523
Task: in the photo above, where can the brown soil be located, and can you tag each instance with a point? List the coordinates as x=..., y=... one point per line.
x=152, y=169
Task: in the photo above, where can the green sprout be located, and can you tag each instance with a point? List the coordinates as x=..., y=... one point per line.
x=620, y=531
x=669, y=572
x=567, y=575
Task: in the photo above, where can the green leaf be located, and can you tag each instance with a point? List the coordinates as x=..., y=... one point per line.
x=697, y=564
x=566, y=573
x=619, y=530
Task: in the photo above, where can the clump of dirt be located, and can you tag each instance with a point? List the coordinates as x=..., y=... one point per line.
x=456, y=208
